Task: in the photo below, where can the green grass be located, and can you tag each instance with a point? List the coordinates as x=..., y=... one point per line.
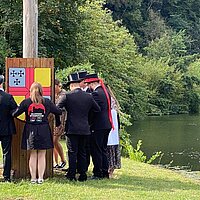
x=135, y=181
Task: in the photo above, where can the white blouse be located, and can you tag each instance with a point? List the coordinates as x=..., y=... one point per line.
x=113, y=138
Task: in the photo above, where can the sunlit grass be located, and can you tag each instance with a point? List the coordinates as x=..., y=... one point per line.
x=135, y=181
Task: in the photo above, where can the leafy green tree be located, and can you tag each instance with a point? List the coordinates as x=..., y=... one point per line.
x=174, y=88
x=170, y=47
x=62, y=74
x=11, y=25
x=59, y=22
x=129, y=13
x=5, y=51
x=184, y=15
x=192, y=78
x=113, y=52
x=178, y=15
x=153, y=28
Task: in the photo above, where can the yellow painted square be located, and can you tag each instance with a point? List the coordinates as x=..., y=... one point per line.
x=43, y=76
x=18, y=100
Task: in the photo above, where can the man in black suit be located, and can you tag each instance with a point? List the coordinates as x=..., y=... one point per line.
x=7, y=128
x=83, y=85
x=85, y=88
x=78, y=104
x=101, y=126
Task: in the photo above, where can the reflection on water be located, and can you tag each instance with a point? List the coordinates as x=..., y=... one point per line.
x=177, y=136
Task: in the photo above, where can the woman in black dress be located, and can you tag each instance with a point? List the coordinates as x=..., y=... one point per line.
x=37, y=136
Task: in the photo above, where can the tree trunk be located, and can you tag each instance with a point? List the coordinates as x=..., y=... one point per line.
x=30, y=28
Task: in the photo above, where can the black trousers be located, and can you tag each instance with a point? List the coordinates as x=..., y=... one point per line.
x=76, y=154
x=88, y=150
x=6, y=141
x=99, y=140
x=88, y=153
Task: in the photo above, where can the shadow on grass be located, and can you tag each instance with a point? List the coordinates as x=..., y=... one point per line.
x=132, y=183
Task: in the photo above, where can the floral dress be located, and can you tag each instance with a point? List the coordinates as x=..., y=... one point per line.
x=113, y=147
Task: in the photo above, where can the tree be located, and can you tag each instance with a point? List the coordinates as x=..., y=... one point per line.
x=174, y=88
x=113, y=53
x=129, y=13
x=58, y=24
x=184, y=15
x=11, y=25
x=4, y=52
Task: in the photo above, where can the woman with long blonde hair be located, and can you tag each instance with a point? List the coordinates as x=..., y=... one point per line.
x=36, y=93
x=37, y=136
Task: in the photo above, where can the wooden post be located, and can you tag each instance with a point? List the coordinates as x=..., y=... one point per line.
x=30, y=28
x=20, y=74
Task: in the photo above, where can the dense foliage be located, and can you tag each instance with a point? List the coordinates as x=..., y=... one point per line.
x=141, y=17
x=146, y=50
x=149, y=69
x=166, y=32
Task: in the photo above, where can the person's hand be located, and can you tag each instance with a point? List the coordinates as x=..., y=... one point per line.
x=58, y=130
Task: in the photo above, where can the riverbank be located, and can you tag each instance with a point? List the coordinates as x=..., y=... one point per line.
x=135, y=181
x=189, y=174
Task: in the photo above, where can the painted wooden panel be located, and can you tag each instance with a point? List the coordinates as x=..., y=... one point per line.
x=20, y=74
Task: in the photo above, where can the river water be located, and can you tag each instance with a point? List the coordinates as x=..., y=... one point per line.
x=177, y=136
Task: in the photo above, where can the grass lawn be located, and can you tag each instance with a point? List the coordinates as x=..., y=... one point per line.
x=135, y=181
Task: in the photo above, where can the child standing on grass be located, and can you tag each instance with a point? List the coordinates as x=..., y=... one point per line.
x=37, y=136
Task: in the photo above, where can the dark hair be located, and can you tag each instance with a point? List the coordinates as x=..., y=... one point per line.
x=1, y=79
x=57, y=82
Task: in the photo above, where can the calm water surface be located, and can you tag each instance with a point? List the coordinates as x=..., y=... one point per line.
x=178, y=137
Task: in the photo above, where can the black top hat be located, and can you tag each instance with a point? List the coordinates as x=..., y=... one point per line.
x=91, y=78
x=1, y=79
x=73, y=78
x=82, y=75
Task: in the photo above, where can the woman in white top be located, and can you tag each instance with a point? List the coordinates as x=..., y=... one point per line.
x=113, y=148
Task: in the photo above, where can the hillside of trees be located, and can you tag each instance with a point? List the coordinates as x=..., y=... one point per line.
x=146, y=50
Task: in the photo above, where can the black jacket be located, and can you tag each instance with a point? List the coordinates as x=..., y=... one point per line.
x=78, y=105
x=49, y=108
x=101, y=119
x=7, y=105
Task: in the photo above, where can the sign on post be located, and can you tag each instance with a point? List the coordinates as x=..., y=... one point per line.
x=20, y=74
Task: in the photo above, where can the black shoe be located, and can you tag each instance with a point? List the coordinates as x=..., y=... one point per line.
x=65, y=170
x=106, y=176
x=82, y=177
x=6, y=180
x=56, y=166
x=71, y=178
x=62, y=164
x=95, y=178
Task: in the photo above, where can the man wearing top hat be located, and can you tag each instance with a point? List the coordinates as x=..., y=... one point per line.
x=102, y=124
x=83, y=85
x=7, y=128
x=78, y=104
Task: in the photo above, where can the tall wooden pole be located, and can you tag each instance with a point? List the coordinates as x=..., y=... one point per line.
x=27, y=70
x=30, y=28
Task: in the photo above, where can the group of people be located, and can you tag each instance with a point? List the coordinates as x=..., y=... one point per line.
x=87, y=114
